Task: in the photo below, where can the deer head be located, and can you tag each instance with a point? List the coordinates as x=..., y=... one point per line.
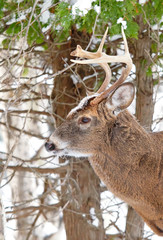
x=118, y=148
x=84, y=119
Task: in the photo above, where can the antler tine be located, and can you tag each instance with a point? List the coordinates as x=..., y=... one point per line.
x=103, y=41
x=79, y=52
x=107, y=79
x=102, y=59
x=105, y=66
x=125, y=72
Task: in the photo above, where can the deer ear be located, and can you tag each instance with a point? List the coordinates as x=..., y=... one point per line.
x=122, y=97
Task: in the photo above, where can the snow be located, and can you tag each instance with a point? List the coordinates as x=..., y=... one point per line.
x=111, y=206
x=84, y=6
x=95, y=221
x=123, y=22
x=45, y=14
x=82, y=103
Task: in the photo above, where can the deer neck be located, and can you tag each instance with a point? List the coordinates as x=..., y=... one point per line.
x=125, y=140
x=128, y=144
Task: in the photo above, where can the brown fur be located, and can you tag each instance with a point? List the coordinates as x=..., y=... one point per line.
x=126, y=158
x=133, y=168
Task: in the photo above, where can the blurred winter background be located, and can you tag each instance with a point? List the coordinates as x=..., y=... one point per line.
x=37, y=188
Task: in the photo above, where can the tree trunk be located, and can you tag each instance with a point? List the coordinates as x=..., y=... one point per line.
x=134, y=225
x=144, y=111
x=81, y=187
x=83, y=218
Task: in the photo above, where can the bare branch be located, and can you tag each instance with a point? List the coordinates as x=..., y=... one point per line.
x=58, y=170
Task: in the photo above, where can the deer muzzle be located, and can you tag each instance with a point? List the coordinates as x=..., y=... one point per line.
x=50, y=146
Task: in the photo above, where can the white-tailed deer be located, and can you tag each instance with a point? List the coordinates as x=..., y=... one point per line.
x=126, y=158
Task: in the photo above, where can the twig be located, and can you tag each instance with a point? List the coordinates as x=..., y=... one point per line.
x=8, y=160
x=22, y=131
x=94, y=27
x=33, y=225
x=2, y=217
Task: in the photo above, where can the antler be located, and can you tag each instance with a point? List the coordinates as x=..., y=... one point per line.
x=79, y=52
x=102, y=59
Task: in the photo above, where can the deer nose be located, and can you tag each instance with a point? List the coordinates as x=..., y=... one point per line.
x=49, y=146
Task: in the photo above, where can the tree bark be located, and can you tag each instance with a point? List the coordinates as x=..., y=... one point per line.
x=84, y=192
x=81, y=190
x=144, y=110
x=134, y=225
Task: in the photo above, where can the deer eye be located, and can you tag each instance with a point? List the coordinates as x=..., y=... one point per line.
x=84, y=120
